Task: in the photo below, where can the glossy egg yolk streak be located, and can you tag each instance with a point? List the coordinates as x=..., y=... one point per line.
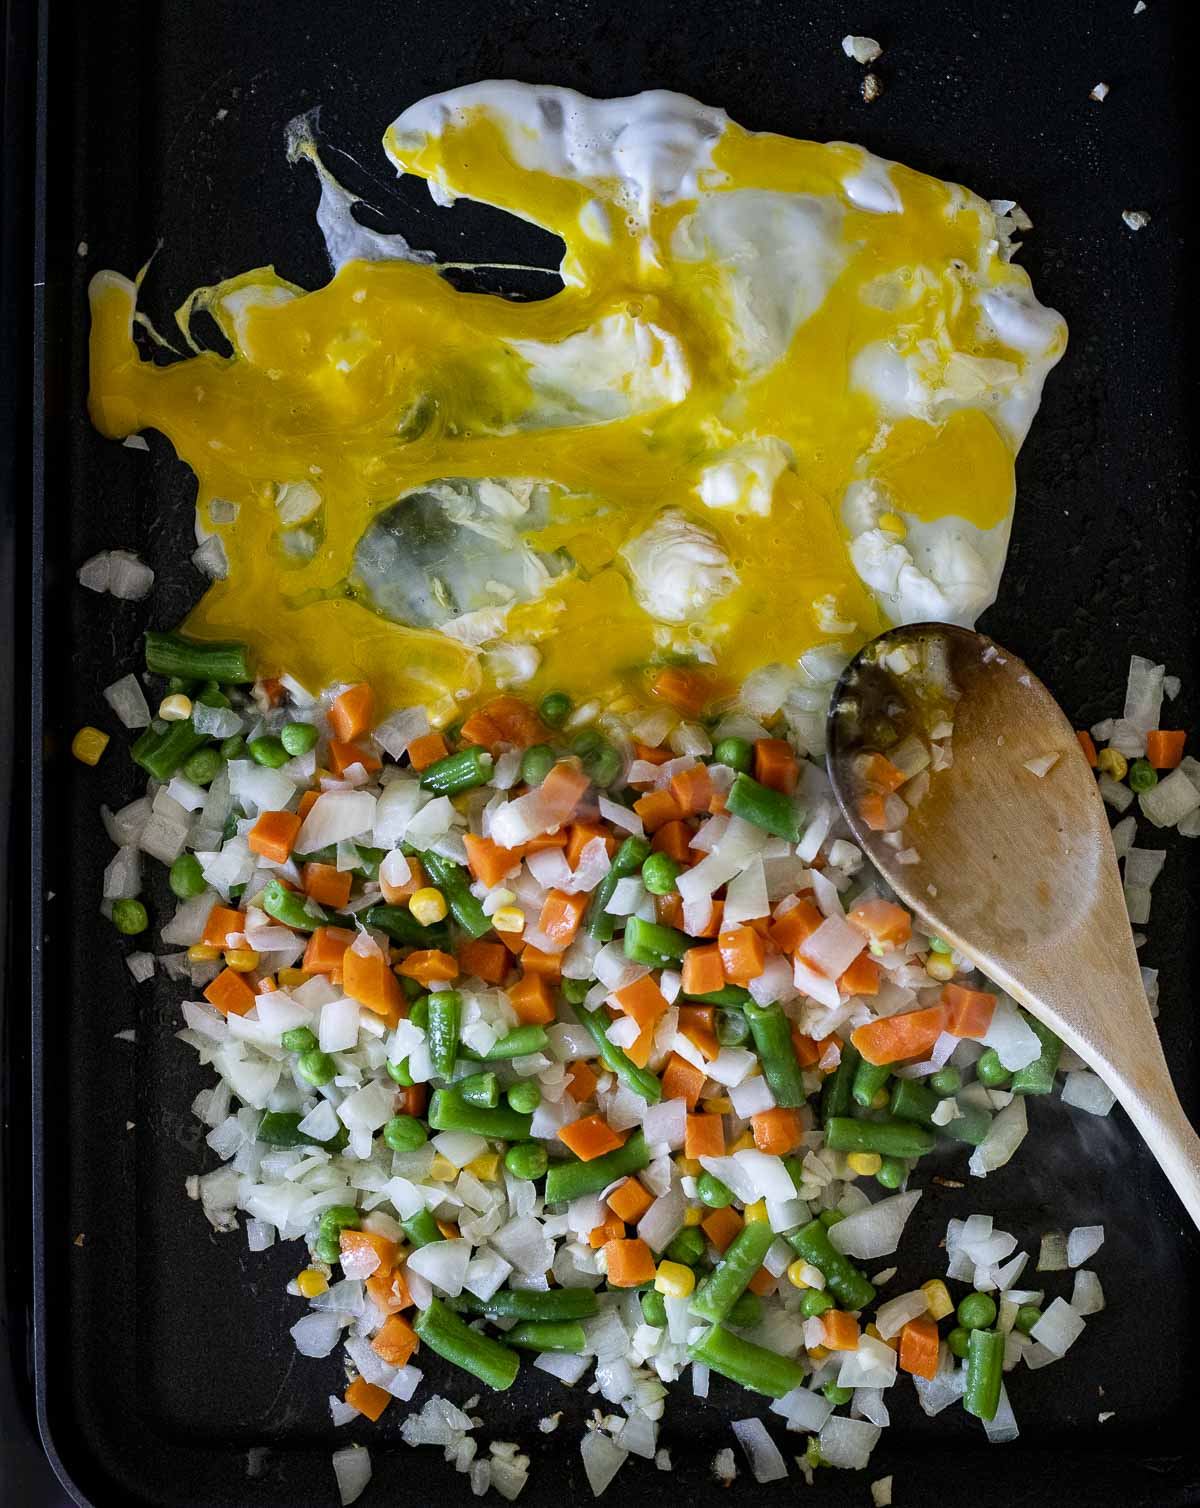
x=774, y=406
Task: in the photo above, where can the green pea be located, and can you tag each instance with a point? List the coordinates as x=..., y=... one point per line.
x=945, y=1081
x=893, y=1173
x=736, y=753
x=203, y=767
x=936, y=945
x=268, y=750
x=713, y=1192
x=418, y=1012
x=604, y=765
x=316, y=1067
x=1142, y=776
x=233, y=747
x=587, y=742
x=405, y=1133
x=298, y=738
x=185, y=877
x=337, y=1218
x=958, y=1340
x=991, y=1072
x=575, y=990
x=837, y=1396
x=555, y=708
x=830, y=1217
x=659, y=874
x=654, y=1308
x=299, y=1039
x=129, y=917
x=977, y=1311
x=688, y=1246
x=524, y=1097
x=327, y=1249
x=1027, y=1316
x=814, y=1302
x=480, y=1089
x=526, y=1159
x=732, y=1029
x=400, y=1074
x=536, y=764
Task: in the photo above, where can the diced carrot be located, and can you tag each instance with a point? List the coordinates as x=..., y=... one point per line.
x=652, y=754
x=561, y=915
x=807, y=1051
x=776, y=765
x=516, y=720
x=327, y=884
x=590, y=1137
x=351, y=714
x=718, y=804
x=368, y=978
x=697, y=1024
x=325, y=950
x=410, y=1100
x=800, y=921
x=721, y=1226
x=712, y=927
x=883, y=921
x=513, y=941
x=872, y=808
x=535, y=961
x=580, y=834
x=562, y=790
x=776, y=1131
x=643, y=1000
x=1164, y=747
x=480, y=729
x=272, y=688
x=367, y=1398
x=656, y=808
x=582, y=1083
x=427, y=750
x=704, y=1136
x=692, y=788
x=222, y=920
x=703, y=970
x=343, y=755
x=274, y=835
x=674, y=839
x=891, y=1039
x=389, y=1290
x=307, y=801
x=394, y=895
x=743, y=954
x=266, y=985
x=879, y=772
x=483, y=960
x=612, y=1228
x=861, y=978
x=1088, y=747
x=630, y=1200
x=530, y=998
x=488, y=862
x=688, y=691
x=762, y=1282
x=668, y=909
x=968, y=1012
x=919, y=1347
x=841, y=1330
x=396, y=1341
x=230, y=993
x=428, y=965
x=358, y=1241
x=628, y=1264
x=682, y=1080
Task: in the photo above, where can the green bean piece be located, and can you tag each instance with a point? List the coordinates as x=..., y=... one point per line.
x=990, y=1071
x=912, y=1101
x=737, y=753
x=730, y=997
x=985, y=1362
x=837, y=1092
x=713, y=1192
x=524, y=1096
x=177, y=686
x=718, y=1293
x=316, y=1067
x=268, y=750
x=764, y=808
x=203, y=767
x=688, y=1246
x=654, y=1308
x=847, y=1284
x=772, y=1033
x=651, y=944
x=755, y=1367
x=958, y=1340
x=536, y=763
x=830, y=1218
x=298, y=738
x=747, y=1312
x=519, y=1043
x=1038, y=1077
x=548, y=1335
x=405, y=1133
x=404, y=929
x=869, y=1079
x=445, y=1022
x=448, y=1111
x=627, y=860
x=837, y=1395
x=281, y=1128
x=463, y=771
x=575, y=991
x=480, y=1089
x=552, y=1304
x=977, y=1311
x=888, y=1138
x=814, y=1302
x=660, y=873
x=452, y=880
x=733, y=1030
x=400, y=1073
x=161, y=754
x=573, y=1178
x=527, y=1159
x=196, y=659
x=418, y=1012
x=555, y=708
x=129, y=917
x=892, y=1173
x=299, y=1039
x=422, y=1229
x=640, y=1080
x=454, y=1341
x=291, y=908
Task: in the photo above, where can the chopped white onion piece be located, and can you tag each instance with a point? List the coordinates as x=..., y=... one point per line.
x=1059, y=1327
x=1083, y=1242
x=766, y=1463
x=1087, y=1091
x=352, y=1467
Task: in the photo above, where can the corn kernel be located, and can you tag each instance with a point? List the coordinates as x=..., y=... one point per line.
x=693, y=1215
x=88, y=745
x=817, y=1353
x=937, y=1296
x=428, y=906
x=873, y=1332
x=756, y=1213
x=442, y=1170
x=203, y=953
x=744, y=1143
x=721, y=1105
x=448, y=1229
x=893, y=524
x=880, y=1100
x=865, y=1164
x=176, y=708
x=674, y=1279
x=241, y=960
x=1112, y=763
x=689, y=1167
x=290, y=979
x=795, y=1273
x=485, y=1167
x=509, y=919
x=312, y=1283
x=940, y=966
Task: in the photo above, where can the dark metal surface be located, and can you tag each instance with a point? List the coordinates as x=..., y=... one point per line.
x=163, y=1353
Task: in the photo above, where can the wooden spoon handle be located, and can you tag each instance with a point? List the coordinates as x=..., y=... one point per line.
x=1148, y=1096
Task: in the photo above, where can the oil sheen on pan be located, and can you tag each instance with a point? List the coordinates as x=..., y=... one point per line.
x=774, y=407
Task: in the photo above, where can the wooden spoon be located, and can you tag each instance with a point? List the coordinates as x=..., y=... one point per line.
x=1015, y=871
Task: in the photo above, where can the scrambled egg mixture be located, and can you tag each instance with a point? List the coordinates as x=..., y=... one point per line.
x=774, y=407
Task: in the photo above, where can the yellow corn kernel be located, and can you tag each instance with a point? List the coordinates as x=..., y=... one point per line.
x=203, y=953
x=795, y=1273
x=873, y=1332
x=880, y=1099
x=290, y=979
x=1112, y=763
x=485, y=1167
x=693, y=1215
x=448, y=1229
x=88, y=745
x=744, y=1143
x=721, y=1105
x=241, y=960
x=893, y=524
x=312, y=1283
x=176, y=708
x=756, y=1212
x=428, y=906
x=689, y=1167
x=937, y=1296
x=674, y=1279
x=442, y=1170
x=865, y=1164
x=817, y=1353
x=509, y=919
x=940, y=966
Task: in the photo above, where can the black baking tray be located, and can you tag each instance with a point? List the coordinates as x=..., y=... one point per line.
x=164, y=1371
